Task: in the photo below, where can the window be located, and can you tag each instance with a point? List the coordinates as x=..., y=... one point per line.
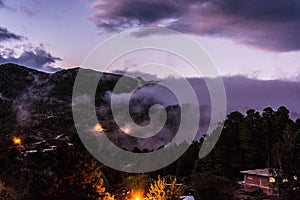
x=271, y=179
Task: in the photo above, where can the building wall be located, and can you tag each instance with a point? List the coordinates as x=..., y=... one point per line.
x=253, y=182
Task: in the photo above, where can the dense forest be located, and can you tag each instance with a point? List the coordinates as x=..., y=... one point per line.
x=255, y=140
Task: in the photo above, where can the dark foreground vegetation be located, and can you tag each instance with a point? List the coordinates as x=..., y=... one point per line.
x=247, y=142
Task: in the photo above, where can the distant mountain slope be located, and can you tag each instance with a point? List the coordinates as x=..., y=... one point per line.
x=15, y=79
x=19, y=84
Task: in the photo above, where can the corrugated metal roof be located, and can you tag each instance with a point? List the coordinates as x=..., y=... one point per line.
x=268, y=172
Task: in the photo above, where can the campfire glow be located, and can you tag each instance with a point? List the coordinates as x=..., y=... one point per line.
x=17, y=140
x=98, y=127
x=136, y=195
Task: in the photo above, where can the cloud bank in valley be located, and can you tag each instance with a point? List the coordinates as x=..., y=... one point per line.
x=271, y=25
x=242, y=94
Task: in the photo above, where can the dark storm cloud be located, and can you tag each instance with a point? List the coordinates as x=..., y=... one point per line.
x=36, y=58
x=2, y=5
x=7, y=35
x=115, y=15
x=148, y=11
x=267, y=24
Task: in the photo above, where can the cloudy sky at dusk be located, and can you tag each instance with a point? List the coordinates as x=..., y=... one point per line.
x=255, y=38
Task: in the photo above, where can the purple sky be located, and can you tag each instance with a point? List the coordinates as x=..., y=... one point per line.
x=255, y=38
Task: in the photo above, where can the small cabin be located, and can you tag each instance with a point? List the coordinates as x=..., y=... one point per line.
x=260, y=179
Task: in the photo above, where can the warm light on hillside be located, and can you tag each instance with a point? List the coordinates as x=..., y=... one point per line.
x=126, y=130
x=17, y=140
x=98, y=127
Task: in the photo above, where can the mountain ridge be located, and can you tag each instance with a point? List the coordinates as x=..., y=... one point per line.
x=242, y=93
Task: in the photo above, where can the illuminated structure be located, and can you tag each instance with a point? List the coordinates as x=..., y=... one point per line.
x=263, y=179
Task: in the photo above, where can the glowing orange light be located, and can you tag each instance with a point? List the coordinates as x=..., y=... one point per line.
x=98, y=127
x=272, y=180
x=285, y=180
x=136, y=195
x=17, y=140
x=127, y=130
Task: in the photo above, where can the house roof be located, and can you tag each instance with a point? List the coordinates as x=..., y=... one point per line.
x=267, y=172
x=187, y=197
